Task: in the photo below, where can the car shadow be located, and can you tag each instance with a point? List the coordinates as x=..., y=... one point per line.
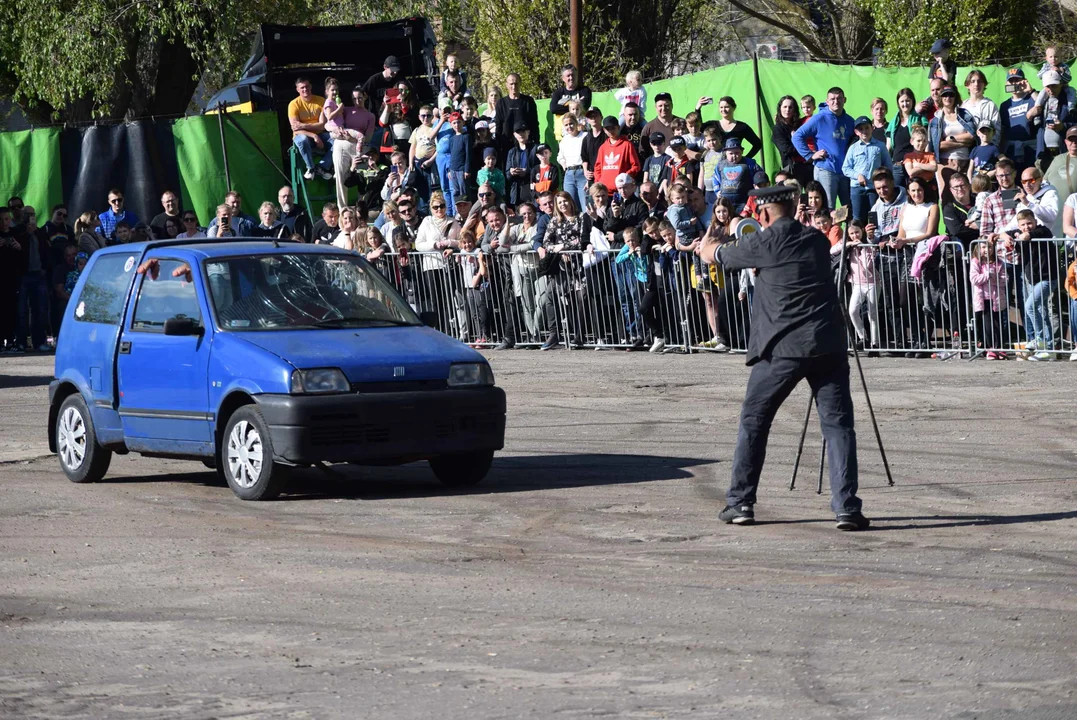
x=520, y=473
x=8, y=382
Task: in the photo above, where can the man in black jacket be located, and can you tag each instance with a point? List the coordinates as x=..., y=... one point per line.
x=797, y=333
x=626, y=210
x=292, y=216
x=562, y=96
x=512, y=109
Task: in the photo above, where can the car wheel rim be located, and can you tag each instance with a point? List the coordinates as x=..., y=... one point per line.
x=71, y=439
x=245, y=454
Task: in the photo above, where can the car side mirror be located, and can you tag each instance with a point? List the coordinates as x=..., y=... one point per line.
x=182, y=325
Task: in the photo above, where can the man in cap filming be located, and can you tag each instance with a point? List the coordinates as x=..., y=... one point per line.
x=797, y=333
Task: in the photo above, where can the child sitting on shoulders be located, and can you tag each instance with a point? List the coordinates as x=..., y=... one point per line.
x=633, y=91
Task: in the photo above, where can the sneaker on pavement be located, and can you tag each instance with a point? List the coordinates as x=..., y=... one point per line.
x=505, y=345
x=17, y=350
x=660, y=344
x=1073, y=356
x=738, y=515
x=721, y=347
x=308, y=174
x=550, y=344
x=44, y=348
x=1042, y=356
x=852, y=521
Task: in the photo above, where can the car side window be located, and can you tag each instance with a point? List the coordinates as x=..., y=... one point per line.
x=166, y=294
x=102, y=297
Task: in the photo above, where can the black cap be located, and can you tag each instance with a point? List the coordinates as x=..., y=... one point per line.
x=677, y=141
x=948, y=91
x=610, y=121
x=663, y=96
x=940, y=45
x=657, y=138
x=520, y=125
x=774, y=194
x=392, y=63
x=541, y=148
x=760, y=177
x=592, y=112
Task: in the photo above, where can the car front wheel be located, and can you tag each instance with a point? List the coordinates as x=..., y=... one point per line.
x=247, y=456
x=462, y=469
x=82, y=459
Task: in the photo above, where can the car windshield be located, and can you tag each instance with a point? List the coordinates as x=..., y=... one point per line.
x=302, y=290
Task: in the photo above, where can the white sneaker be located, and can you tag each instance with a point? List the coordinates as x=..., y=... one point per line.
x=308, y=175
x=1073, y=356
x=1031, y=346
x=325, y=174
x=660, y=344
x=721, y=347
x=1042, y=356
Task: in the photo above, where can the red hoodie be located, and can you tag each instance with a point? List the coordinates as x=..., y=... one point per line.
x=616, y=157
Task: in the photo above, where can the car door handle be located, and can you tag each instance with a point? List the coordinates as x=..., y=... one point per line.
x=125, y=347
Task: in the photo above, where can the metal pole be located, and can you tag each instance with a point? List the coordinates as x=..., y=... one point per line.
x=224, y=147
x=575, y=32
x=759, y=108
x=800, y=446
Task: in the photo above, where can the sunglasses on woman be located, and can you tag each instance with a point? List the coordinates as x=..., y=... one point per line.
x=189, y=219
x=437, y=207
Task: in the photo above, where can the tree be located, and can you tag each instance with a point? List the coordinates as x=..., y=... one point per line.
x=828, y=29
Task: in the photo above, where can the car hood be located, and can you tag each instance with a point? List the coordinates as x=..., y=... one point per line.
x=369, y=354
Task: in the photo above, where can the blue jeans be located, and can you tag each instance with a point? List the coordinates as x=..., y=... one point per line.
x=860, y=200
x=1038, y=314
x=457, y=190
x=433, y=182
x=771, y=382
x=576, y=185
x=835, y=184
x=628, y=296
x=307, y=147
x=33, y=301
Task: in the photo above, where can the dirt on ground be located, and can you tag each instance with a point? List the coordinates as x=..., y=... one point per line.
x=587, y=576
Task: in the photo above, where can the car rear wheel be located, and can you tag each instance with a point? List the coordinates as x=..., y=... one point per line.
x=81, y=458
x=462, y=469
x=247, y=455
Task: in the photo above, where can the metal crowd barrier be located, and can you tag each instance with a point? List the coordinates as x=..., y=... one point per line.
x=588, y=300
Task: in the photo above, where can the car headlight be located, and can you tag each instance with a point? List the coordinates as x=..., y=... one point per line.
x=319, y=380
x=470, y=375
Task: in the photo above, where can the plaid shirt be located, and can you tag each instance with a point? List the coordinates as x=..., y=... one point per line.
x=108, y=220
x=994, y=218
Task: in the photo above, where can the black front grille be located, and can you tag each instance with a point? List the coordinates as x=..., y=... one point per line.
x=391, y=386
x=349, y=434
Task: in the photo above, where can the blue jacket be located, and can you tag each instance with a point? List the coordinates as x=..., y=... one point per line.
x=934, y=128
x=638, y=262
x=460, y=152
x=831, y=132
x=864, y=159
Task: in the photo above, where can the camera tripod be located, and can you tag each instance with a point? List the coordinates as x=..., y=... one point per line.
x=863, y=384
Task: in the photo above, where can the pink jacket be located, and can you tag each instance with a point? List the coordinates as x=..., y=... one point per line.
x=861, y=262
x=988, y=283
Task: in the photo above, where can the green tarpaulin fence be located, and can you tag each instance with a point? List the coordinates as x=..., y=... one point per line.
x=30, y=160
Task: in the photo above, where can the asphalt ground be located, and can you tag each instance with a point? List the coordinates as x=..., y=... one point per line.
x=587, y=576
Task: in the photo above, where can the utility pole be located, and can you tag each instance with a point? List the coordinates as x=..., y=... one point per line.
x=575, y=13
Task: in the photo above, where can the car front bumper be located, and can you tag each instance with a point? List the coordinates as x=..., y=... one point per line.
x=384, y=428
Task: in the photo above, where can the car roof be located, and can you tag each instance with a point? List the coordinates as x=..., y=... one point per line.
x=212, y=248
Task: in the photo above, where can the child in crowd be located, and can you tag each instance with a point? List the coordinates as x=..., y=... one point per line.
x=1051, y=62
x=824, y=223
x=861, y=264
x=519, y=165
x=654, y=167
x=475, y=281
x=983, y=157
x=712, y=155
x=981, y=190
x=450, y=65
x=920, y=161
x=944, y=68
x=733, y=176
x=633, y=91
x=679, y=128
x=490, y=174
x=988, y=276
x=759, y=180
x=693, y=131
x=640, y=264
x=482, y=139
x=1071, y=288
x=682, y=169
x=72, y=277
x=807, y=109
x=813, y=201
x=459, y=170
x=684, y=222
x=545, y=177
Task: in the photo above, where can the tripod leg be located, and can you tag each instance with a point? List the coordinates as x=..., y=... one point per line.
x=874, y=424
x=800, y=447
x=822, y=459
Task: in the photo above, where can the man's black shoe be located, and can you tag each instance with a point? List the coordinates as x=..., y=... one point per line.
x=853, y=521
x=550, y=344
x=739, y=515
x=505, y=345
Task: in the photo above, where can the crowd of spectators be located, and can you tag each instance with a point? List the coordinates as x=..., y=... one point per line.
x=470, y=186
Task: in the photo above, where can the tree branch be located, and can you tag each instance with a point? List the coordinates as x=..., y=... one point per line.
x=809, y=44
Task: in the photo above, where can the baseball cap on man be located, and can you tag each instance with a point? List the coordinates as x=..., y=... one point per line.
x=1015, y=74
x=392, y=63
x=1051, y=77
x=593, y=112
x=520, y=126
x=610, y=121
x=1072, y=132
x=625, y=179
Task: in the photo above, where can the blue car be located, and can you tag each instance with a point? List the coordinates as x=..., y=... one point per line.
x=256, y=357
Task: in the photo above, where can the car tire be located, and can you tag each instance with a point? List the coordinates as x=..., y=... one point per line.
x=462, y=469
x=82, y=459
x=247, y=457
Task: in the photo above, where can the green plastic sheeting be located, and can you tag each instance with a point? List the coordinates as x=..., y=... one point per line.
x=778, y=78
x=201, y=165
x=30, y=168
